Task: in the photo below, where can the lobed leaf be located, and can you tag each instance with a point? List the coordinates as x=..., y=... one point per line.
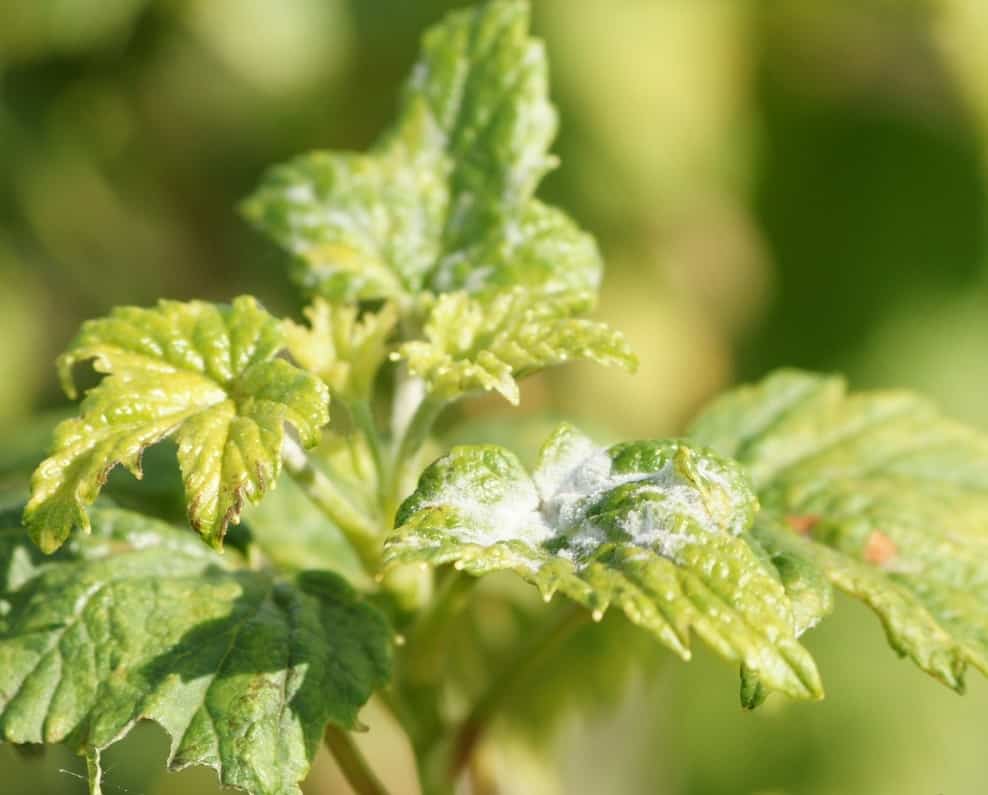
x=340, y=348
x=444, y=201
x=203, y=373
x=877, y=493
x=650, y=527
x=482, y=346
x=139, y=621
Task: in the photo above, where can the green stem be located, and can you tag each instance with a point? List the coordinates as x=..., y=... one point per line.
x=363, y=418
x=94, y=773
x=352, y=763
x=420, y=665
x=528, y=658
x=356, y=526
x=426, y=639
x=414, y=437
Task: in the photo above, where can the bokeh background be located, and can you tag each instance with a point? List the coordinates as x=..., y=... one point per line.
x=771, y=183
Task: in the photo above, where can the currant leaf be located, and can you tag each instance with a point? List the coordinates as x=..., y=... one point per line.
x=140, y=621
x=877, y=493
x=652, y=528
x=341, y=348
x=203, y=373
x=472, y=345
x=444, y=201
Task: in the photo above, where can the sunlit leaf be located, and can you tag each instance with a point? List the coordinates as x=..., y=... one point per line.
x=340, y=348
x=472, y=345
x=650, y=527
x=879, y=494
x=206, y=374
x=444, y=201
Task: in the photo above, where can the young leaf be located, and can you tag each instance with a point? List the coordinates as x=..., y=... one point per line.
x=651, y=527
x=342, y=350
x=482, y=346
x=444, y=201
x=206, y=374
x=879, y=494
x=140, y=621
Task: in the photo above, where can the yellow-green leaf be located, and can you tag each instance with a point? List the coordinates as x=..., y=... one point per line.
x=201, y=372
x=476, y=345
x=876, y=492
x=340, y=348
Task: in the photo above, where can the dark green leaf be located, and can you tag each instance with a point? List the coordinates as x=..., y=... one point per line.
x=141, y=621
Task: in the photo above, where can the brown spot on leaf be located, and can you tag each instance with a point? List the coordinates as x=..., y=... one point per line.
x=803, y=523
x=879, y=549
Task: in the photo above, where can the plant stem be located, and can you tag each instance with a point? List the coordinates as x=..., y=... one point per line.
x=427, y=637
x=363, y=418
x=357, y=527
x=421, y=664
x=352, y=763
x=529, y=657
x=94, y=773
x=412, y=439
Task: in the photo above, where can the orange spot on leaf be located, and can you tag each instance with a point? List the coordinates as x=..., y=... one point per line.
x=879, y=549
x=803, y=523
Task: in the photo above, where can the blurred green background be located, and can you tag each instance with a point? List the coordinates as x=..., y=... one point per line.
x=771, y=183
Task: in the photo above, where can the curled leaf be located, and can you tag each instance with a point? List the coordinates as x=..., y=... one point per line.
x=653, y=528
x=341, y=346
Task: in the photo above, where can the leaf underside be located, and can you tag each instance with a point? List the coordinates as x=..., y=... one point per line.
x=141, y=621
x=444, y=201
x=203, y=373
x=877, y=494
x=653, y=528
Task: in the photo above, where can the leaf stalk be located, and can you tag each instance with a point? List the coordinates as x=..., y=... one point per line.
x=358, y=529
x=352, y=763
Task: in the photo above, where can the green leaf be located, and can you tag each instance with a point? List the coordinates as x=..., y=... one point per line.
x=650, y=527
x=340, y=348
x=877, y=493
x=202, y=372
x=810, y=595
x=140, y=621
x=472, y=345
x=444, y=201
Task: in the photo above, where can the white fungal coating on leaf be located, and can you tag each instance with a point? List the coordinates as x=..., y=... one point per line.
x=650, y=527
x=444, y=201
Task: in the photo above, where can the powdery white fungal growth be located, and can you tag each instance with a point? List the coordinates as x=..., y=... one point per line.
x=655, y=496
x=650, y=528
x=574, y=476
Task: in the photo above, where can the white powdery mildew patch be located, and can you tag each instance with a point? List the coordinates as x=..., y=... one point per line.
x=649, y=527
x=551, y=509
x=583, y=474
x=513, y=516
